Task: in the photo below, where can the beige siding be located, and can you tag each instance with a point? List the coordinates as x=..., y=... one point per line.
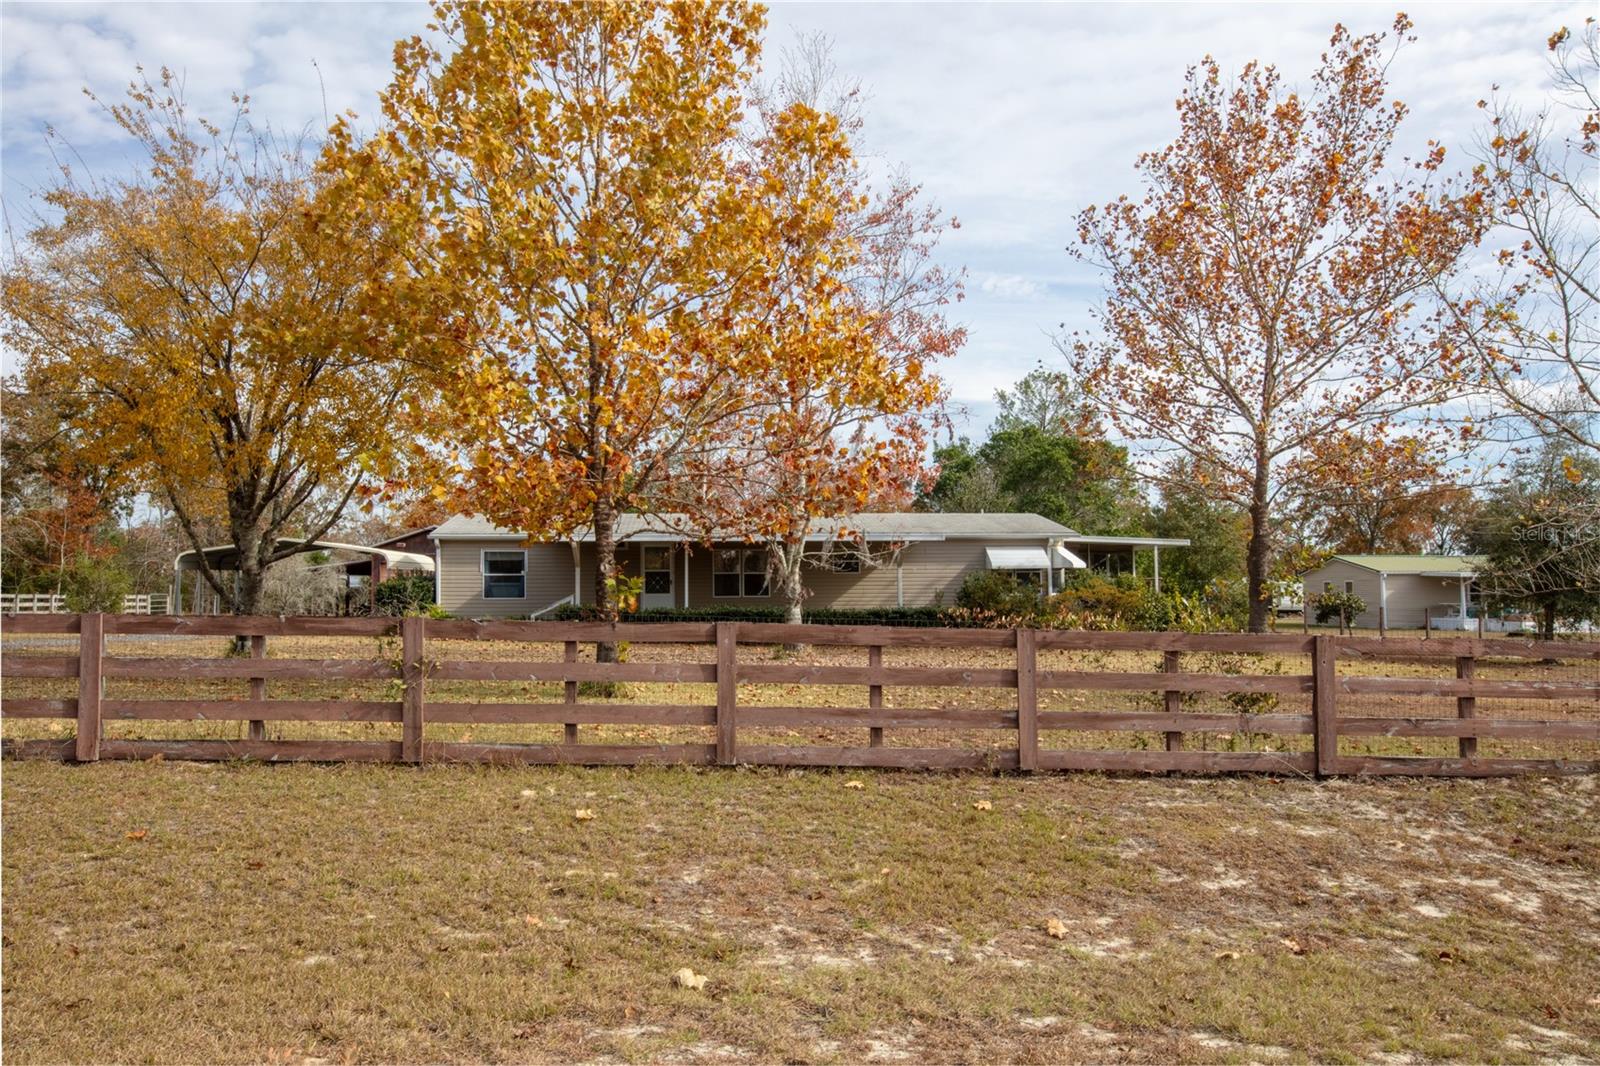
x=1409, y=594
x=930, y=572
x=461, y=578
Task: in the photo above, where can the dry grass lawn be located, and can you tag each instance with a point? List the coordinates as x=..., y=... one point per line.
x=174, y=912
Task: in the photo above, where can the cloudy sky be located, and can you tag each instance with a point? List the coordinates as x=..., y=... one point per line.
x=1013, y=117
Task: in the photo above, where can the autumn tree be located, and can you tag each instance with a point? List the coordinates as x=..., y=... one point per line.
x=1374, y=493
x=58, y=514
x=840, y=321
x=1533, y=326
x=204, y=326
x=1265, y=290
x=558, y=176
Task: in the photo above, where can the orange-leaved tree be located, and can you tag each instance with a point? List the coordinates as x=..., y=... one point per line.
x=210, y=332
x=840, y=322
x=562, y=175
x=1375, y=492
x=1266, y=290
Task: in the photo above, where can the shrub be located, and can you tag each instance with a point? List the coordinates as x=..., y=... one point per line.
x=999, y=593
x=877, y=616
x=95, y=585
x=408, y=593
x=1343, y=606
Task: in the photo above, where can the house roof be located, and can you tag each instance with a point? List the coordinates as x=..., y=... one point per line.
x=1422, y=565
x=871, y=525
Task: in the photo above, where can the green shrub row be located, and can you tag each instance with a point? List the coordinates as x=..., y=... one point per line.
x=877, y=616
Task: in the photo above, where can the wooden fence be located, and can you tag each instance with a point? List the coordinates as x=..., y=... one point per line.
x=412, y=673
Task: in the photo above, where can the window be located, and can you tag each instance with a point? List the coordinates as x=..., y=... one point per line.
x=1350, y=587
x=1327, y=586
x=505, y=575
x=739, y=572
x=755, y=572
x=842, y=561
x=725, y=572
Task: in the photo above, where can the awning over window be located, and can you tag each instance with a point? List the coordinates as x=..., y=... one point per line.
x=1065, y=560
x=1017, y=558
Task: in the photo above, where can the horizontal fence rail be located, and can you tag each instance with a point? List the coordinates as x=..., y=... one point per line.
x=410, y=660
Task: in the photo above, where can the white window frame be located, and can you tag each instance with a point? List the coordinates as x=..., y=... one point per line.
x=483, y=573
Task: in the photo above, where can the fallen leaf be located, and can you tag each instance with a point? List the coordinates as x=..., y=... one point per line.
x=1056, y=928
x=687, y=978
x=1294, y=945
x=983, y=805
x=854, y=784
x=1448, y=956
x=1227, y=954
x=533, y=920
x=255, y=864
x=583, y=814
x=138, y=834
x=528, y=792
x=883, y=872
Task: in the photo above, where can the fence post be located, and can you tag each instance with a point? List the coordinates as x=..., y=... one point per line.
x=571, y=656
x=411, y=672
x=727, y=692
x=1172, y=699
x=1383, y=621
x=91, y=650
x=1324, y=709
x=875, y=695
x=1467, y=706
x=258, y=687
x=1027, y=701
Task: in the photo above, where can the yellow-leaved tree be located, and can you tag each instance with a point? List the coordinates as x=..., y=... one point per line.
x=211, y=332
x=559, y=177
x=840, y=322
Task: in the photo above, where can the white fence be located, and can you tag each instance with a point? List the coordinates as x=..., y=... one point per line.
x=47, y=603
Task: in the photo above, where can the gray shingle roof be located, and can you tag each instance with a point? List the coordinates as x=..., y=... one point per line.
x=873, y=525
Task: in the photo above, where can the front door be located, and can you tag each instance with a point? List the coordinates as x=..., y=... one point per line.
x=657, y=569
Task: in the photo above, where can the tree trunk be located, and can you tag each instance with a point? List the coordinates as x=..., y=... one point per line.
x=1547, y=624
x=605, y=572
x=1258, y=557
x=791, y=555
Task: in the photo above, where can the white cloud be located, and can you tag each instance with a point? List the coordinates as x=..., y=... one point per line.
x=1011, y=287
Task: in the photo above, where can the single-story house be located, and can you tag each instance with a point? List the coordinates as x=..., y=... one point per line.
x=913, y=560
x=1409, y=588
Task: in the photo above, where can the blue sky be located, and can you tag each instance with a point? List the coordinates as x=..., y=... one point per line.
x=1013, y=117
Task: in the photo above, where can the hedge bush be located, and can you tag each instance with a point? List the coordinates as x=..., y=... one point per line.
x=827, y=616
x=409, y=593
